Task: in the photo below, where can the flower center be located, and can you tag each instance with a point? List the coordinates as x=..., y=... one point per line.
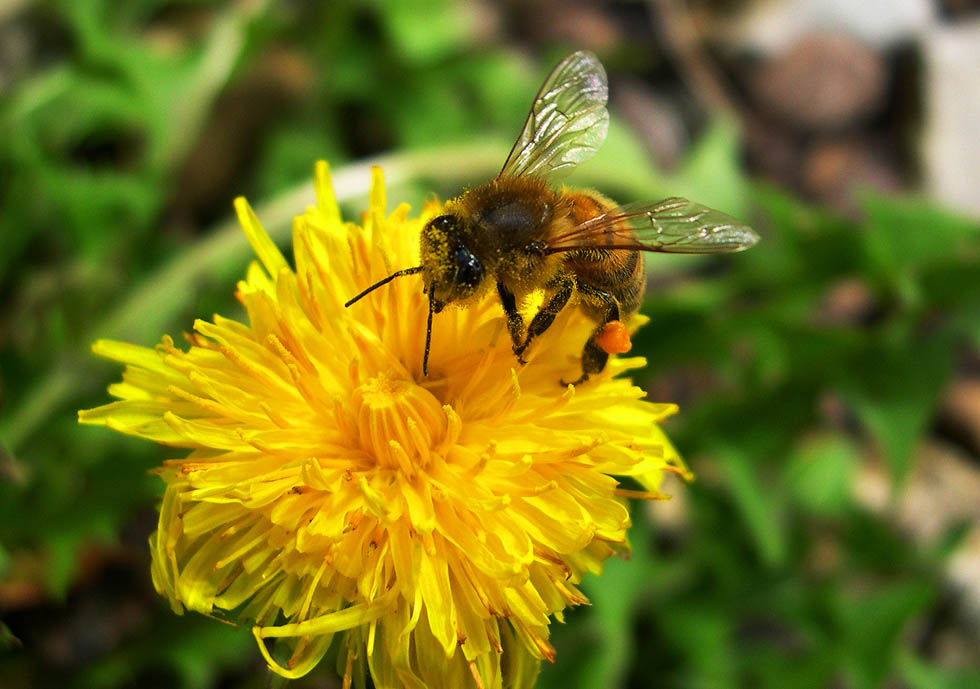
x=398, y=422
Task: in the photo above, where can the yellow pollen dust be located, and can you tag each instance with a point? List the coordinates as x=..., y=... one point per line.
x=398, y=422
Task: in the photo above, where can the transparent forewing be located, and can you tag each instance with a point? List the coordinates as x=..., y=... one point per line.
x=673, y=226
x=567, y=123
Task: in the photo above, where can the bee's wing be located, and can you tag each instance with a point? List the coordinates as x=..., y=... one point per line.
x=672, y=226
x=567, y=122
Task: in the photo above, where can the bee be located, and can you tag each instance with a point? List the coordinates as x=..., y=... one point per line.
x=517, y=233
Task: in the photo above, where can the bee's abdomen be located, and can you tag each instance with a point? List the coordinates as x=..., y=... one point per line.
x=631, y=289
x=617, y=271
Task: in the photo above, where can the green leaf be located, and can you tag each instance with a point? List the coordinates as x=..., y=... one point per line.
x=622, y=166
x=5, y=560
x=903, y=233
x=820, y=474
x=598, y=652
x=872, y=624
x=712, y=173
x=802, y=247
x=424, y=31
x=757, y=504
x=8, y=641
x=895, y=389
x=919, y=674
x=63, y=561
x=703, y=635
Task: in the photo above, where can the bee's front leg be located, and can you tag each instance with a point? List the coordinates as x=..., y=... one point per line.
x=515, y=322
x=564, y=286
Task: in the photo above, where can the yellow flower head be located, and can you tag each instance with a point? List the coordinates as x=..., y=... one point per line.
x=437, y=522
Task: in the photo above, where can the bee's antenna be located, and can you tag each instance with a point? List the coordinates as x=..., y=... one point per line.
x=385, y=281
x=428, y=332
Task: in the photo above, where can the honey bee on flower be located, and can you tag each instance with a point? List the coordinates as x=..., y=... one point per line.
x=518, y=234
x=322, y=489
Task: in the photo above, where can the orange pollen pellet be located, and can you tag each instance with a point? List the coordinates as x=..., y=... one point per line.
x=614, y=338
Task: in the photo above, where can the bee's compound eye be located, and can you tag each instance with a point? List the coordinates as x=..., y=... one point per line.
x=444, y=223
x=469, y=270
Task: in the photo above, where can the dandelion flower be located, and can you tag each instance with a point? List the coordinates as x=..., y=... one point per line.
x=434, y=524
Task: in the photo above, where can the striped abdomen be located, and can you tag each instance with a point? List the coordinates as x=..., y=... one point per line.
x=617, y=271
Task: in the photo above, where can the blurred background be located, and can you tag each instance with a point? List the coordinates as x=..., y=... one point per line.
x=829, y=379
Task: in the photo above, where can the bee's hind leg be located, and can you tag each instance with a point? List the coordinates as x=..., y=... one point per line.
x=594, y=357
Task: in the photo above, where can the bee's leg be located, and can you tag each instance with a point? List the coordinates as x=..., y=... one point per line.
x=564, y=286
x=594, y=357
x=515, y=323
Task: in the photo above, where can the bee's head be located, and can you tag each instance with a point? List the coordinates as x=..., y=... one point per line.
x=452, y=271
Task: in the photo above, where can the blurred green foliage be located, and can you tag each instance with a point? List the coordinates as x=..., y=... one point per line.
x=117, y=110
